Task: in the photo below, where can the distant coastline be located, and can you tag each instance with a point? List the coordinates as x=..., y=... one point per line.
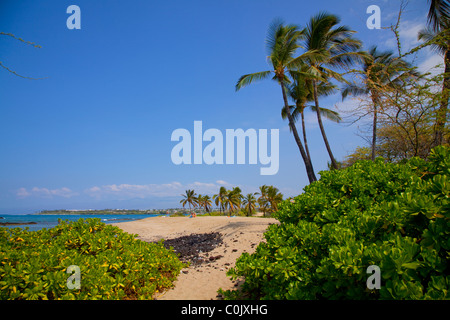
x=110, y=212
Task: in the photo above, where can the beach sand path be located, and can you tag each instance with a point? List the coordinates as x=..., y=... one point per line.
x=201, y=282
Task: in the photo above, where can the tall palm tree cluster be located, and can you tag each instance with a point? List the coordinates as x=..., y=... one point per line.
x=327, y=47
x=230, y=201
x=307, y=62
x=437, y=34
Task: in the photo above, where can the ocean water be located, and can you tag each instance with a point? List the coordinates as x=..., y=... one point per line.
x=50, y=220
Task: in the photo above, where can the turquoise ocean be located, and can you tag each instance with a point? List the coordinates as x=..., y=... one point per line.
x=50, y=220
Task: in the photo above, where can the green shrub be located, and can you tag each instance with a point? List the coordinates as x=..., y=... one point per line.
x=395, y=216
x=113, y=264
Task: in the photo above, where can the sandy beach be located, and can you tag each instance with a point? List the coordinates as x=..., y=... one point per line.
x=201, y=281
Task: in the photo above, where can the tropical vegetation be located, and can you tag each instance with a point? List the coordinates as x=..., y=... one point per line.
x=282, y=43
x=232, y=202
x=408, y=110
x=388, y=204
x=385, y=205
x=113, y=264
x=391, y=215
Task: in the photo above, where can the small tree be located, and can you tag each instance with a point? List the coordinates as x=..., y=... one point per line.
x=190, y=199
x=249, y=203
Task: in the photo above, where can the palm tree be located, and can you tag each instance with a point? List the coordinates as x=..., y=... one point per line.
x=263, y=199
x=204, y=202
x=438, y=9
x=438, y=34
x=381, y=71
x=301, y=91
x=249, y=202
x=263, y=205
x=232, y=201
x=335, y=48
x=219, y=199
x=189, y=198
x=238, y=192
x=282, y=43
x=274, y=197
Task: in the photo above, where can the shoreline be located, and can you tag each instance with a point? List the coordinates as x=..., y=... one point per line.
x=201, y=281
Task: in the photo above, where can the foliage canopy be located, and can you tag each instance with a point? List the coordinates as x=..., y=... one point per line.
x=113, y=264
x=395, y=216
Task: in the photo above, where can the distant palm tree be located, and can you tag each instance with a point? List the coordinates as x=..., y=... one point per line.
x=438, y=34
x=263, y=200
x=334, y=48
x=204, y=202
x=274, y=197
x=219, y=199
x=238, y=192
x=232, y=201
x=249, y=202
x=381, y=71
x=207, y=203
x=263, y=205
x=282, y=43
x=189, y=198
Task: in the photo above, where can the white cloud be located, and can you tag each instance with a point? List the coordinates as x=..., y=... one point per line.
x=45, y=193
x=222, y=182
x=408, y=32
x=433, y=63
x=173, y=189
x=127, y=191
x=22, y=193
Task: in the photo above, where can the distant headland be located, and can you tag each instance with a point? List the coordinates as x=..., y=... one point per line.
x=110, y=211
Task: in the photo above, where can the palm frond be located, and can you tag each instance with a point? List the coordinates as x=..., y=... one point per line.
x=295, y=112
x=429, y=35
x=439, y=11
x=354, y=90
x=327, y=113
x=250, y=78
x=273, y=35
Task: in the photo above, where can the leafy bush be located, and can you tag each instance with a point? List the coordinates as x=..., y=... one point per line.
x=113, y=264
x=395, y=216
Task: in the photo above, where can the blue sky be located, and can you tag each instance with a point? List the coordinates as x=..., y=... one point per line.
x=96, y=132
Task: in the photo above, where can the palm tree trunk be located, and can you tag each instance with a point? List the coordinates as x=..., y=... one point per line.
x=304, y=136
x=322, y=130
x=374, y=133
x=308, y=164
x=374, y=127
x=441, y=117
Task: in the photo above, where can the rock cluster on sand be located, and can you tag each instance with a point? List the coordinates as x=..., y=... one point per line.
x=195, y=248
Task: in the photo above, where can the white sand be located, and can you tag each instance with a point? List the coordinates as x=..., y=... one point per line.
x=240, y=234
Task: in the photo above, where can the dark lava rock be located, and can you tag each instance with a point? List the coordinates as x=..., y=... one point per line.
x=212, y=258
x=193, y=247
x=15, y=223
